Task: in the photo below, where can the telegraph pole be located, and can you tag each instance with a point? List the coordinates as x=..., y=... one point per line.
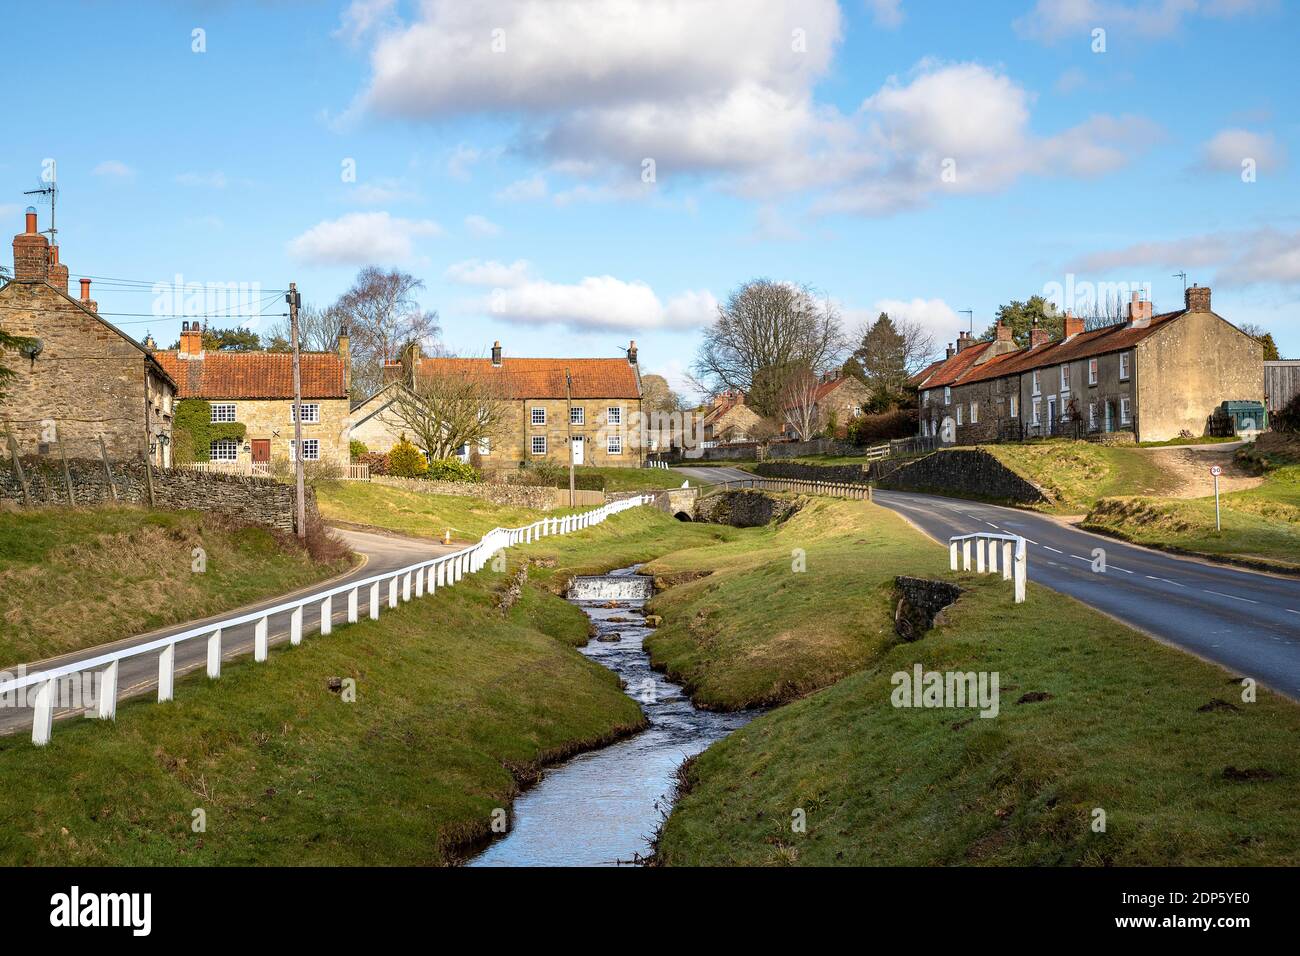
x=300, y=497
x=568, y=398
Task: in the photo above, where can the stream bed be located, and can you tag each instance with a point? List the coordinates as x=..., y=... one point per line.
x=601, y=808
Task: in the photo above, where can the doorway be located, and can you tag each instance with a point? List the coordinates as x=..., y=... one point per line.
x=577, y=449
x=261, y=451
x=1051, y=414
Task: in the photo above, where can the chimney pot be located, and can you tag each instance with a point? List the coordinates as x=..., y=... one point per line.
x=31, y=221
x=85, y=292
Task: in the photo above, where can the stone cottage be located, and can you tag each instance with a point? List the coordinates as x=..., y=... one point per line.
x=1150, y=378
x=255, y=389
x=82, y=379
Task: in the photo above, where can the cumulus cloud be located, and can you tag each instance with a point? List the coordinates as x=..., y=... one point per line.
x=1052, y=20
x=524, y=190
x=595, y=302
x=934, y=315
x=364, y=17
x=362, y=238
x=482, y=226
x=1226, y=151
x=380, y=192
x=1244, y=257
x=113, y=169
x=886, y=13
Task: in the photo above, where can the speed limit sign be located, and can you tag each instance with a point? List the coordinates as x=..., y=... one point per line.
x=1216, y=471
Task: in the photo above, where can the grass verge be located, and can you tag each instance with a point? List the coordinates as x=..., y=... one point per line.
x=1092, y=716
x=418, y=514
x=72, y=578
x=455, y=704
x=1076, y=474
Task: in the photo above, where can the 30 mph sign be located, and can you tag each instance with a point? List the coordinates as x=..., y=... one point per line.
x=1216, y=471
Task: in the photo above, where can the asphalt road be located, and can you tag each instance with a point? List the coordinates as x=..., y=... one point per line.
x=1246, y=621
x=138, y=675
x=713, y=475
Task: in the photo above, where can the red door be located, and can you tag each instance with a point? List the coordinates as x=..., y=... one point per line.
x=261, y=450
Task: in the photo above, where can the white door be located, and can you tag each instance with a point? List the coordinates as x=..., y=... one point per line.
x=577, y=449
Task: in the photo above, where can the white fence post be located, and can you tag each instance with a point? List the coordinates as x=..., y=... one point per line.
x=952, y=554
x=981, y=546
x=406, y=587
x=214, y=654
x=1022, y=568
x=374, y=601
x=993, y=556
x=295, y=626
x=352, y=605
x=965, y=555
x=327, y=614
x=1006, y=560
x=108, y=693
x=43, y=717
x=392, y=591
x=419, y=582
x=166, y=672
x=429, y=587
x=259, y=640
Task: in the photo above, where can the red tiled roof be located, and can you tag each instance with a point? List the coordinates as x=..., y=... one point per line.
x=266, y=375
x=953, y=368
x=521, y=378
x=1112, y=338
x=920, y=376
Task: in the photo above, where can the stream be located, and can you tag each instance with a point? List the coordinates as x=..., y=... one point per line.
x=601, y=808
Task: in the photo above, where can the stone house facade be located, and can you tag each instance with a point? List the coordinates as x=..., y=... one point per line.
x=839, y=398
x=1150, y=378
x=729, y=419
x=597, y=417
x=255, y=389
x=84, y=380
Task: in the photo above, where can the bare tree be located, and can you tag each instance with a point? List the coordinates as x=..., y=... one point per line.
x=445, y=408
x=383, y=316
x=764, y=334
x=318, y=329
x=799, y=403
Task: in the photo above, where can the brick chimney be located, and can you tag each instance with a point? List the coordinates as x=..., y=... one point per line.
x=1198, y=298
x=949, y=352
x=191, y=339
x=410, y=363
x=496, y=354
x=31, y=252
x=1139, y=311
x=1002, y=332
x=86, y=300
x=964, y=340
x=1038, y=335
x=58, y=272
x=631, y=353
x=345, y=353
x=1073, y=325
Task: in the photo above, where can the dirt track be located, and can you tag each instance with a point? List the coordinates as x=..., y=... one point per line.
x=1190, y=466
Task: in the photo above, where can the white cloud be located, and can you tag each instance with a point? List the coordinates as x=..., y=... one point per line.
x=363, y=17
x=381, y=192
x=113, y=169
x=462, y=159
x=213, y=180
x=934, y=315
x=595, y=302
x=1236, y=258
x=482, y=226
x=524, y=190
x=886, y=13
x=1052, y=20
x=362, y=238
x=490, y=273
x=1229, y=147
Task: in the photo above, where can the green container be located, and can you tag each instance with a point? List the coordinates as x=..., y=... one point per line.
x=1246, y=416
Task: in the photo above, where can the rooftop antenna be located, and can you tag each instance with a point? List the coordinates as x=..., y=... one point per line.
x=48, y=193
x=1183, y=276
x=970, y=316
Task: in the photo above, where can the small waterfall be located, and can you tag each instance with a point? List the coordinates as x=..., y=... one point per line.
x=612, y=587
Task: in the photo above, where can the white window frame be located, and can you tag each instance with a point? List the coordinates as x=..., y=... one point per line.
x=615, y=445
x=1037, y=388
x=1092, y=371
x=1092, y=415
x=614, y=415
x=1014, y=410
x=223, y=449
x=310, y=447
x=577, y=415
x=219, y=412
x=537, y=416
x=925, y=397
x=1124, y=370
x=959, y=413
x=1126, y=411
x=974, y=413
x=1037, y=412
x=947, y=395
x=1065, y=378
x=538, y=445
x=310, y=413
x=485, y=445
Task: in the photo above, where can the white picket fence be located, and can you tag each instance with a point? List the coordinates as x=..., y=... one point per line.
x=1014, y=556
x=420, y=579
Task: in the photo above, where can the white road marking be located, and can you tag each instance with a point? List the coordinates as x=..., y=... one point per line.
x=1233, y=596
x=1114, y=567
x=1166, y=581
x=1053, y=550
x=990, y=524
x=1080, y=557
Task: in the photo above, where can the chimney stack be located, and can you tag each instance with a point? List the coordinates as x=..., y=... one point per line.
x=496, y=354
x=964, y=340
x=345, y=353
x=631, y=353
x=949, y=352
x=86, y=300
x=1139, y=311
x=58, y=272
x=191, y=339
x=1002, y=332
x=31, y=252
x=1073, y=324
x=1038, y=335
x=410, y=363
x=1198, y=298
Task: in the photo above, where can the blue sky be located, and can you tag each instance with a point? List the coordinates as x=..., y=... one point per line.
x=917, y=156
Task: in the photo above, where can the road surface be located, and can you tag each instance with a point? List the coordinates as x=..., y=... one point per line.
x=137, y=675
x=1246, y=621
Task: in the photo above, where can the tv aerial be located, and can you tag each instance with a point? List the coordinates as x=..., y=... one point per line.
x=47, y=194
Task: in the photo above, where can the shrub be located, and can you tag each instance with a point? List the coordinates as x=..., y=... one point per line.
x=451, y=469
x=377, y=461
x=873, y=429
x=406, y=461
x=356, y=449
x=1288, y=419
x=193, y=416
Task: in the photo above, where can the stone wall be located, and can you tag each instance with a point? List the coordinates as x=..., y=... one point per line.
x=806, y=472
x=522, y=496
x=801, y=449
x=965, y=472
x=255, y=500
x=744, y=509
